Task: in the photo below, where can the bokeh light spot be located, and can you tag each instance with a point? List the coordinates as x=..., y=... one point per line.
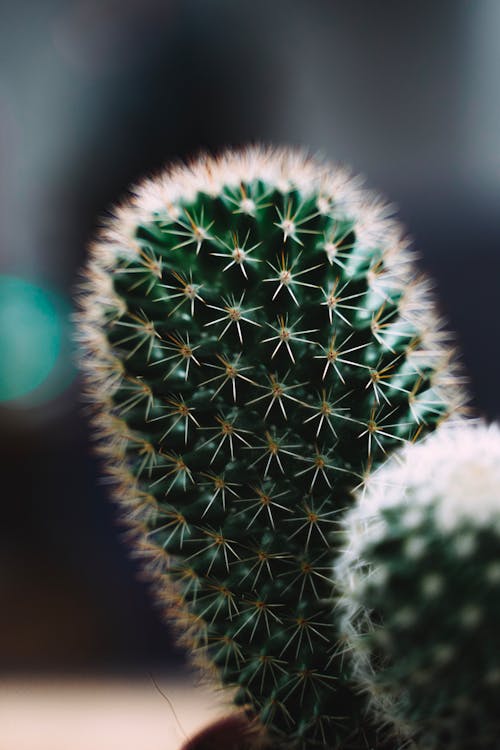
x=30, y=337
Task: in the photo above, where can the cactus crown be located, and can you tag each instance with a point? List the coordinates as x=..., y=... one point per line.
x=255, y=342
x=422, y=589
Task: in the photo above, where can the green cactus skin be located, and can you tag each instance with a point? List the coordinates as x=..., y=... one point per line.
x=422, y=589
x=255, y=342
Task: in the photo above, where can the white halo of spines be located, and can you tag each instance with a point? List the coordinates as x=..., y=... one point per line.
x=163, y=198
x=285, y=168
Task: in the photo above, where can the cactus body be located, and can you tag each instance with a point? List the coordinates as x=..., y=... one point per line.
x=255, y=342
x=422, y=601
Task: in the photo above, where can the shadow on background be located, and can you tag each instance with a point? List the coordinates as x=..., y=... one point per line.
x=95, y=94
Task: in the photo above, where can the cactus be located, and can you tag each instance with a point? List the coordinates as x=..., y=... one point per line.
x=422, y=589
x=255, y=341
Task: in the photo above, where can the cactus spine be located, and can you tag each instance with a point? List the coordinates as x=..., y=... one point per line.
x=255, y=342
x=422, y=589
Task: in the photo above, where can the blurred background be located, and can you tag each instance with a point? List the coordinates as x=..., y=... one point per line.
x=95, y=94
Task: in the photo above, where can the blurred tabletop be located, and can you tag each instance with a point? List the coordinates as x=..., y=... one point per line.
x=95, y=713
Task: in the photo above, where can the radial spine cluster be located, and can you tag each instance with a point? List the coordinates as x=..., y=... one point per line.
x=422, y=589
x=255, y=342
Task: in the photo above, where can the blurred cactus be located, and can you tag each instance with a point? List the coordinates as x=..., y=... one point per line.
x=422, y=589
x=255, y=342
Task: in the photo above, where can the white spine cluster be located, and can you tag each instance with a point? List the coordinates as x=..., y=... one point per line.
x=456, y=470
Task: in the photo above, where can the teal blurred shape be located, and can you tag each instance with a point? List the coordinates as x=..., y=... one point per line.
x=33, y=337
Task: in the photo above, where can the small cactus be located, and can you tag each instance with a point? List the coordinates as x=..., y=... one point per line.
x=422, y=589
x=255, y=342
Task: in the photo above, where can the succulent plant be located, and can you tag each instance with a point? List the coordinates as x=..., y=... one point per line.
x=421, y=572
x=255, y=342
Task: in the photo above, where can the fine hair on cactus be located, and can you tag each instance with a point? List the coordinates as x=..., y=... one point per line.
x=421, y=578
x=255, y=341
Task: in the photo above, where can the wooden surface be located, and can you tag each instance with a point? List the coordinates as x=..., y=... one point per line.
x=102, y=714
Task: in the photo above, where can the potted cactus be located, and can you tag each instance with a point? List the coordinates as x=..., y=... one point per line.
x=421, y=579
x=255, y=342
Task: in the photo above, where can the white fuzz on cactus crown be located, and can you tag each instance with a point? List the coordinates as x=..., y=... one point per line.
x=456, y=470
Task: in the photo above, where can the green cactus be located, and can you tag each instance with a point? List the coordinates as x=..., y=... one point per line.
x=422, y=589
x=255, y=342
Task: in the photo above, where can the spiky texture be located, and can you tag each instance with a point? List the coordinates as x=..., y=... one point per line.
x=256, y=341
x=422, y=599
